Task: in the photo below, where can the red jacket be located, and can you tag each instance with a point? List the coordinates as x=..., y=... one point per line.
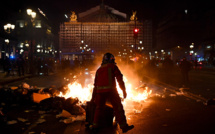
x=105, y=78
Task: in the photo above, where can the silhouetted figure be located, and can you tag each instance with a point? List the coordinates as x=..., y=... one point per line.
x=196, y=64
x=76, y=65
x=168, y=68
x=39, y=64
x=185, y=67
x=51, y=65
x=7, y=66
x=20, y=64
x=46, y=67
x=152, y=68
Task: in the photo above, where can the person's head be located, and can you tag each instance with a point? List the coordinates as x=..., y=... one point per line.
x=108, y=58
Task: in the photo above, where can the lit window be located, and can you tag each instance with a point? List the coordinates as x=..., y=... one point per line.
x=38, y=24
x=208, y=47
x=21, y=24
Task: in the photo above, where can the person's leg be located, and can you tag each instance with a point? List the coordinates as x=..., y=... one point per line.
x=118, y=109
x=100, y=105
x=119, y=112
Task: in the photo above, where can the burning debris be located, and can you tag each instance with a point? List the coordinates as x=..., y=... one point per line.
x=71, y=101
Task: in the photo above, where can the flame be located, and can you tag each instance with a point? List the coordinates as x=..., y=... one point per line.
x=76, y=90
x=135, y=58
x=84, y=94
x=134, y=94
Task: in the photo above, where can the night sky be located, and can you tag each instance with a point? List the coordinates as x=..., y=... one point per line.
x=146, y=9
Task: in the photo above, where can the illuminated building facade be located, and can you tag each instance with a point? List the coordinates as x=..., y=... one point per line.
x=35, y=35
x=101, y=29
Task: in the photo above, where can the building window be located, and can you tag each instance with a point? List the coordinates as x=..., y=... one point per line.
x=38, y=24
x=21, y=23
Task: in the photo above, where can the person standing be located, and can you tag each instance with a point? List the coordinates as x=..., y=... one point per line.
x=185, y=67
x=168, y=69
x=20, y=64
x=7, y=66
x=105, y=89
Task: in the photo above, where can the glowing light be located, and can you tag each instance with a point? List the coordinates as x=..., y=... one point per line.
x=33, y=14
x=66, y=16
x=41, y=12
x=76, y=90
x=29, y=11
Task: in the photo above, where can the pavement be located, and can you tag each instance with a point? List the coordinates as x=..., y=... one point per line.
x=4, y=80
x=15, y=77
x=8, y=79
x=172, y=111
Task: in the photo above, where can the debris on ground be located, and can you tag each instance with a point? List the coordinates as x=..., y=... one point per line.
x=22, y=119
x=12, y=122
x=45, y=100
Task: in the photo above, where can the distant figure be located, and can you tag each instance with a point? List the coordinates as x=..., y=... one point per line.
x=185, y=67
x=39, y=64
x=76, y=65
x=7, y=66
x=168, y=68
x=45, y=67
x=20, y=64
x=196, y=64
x=152, y=68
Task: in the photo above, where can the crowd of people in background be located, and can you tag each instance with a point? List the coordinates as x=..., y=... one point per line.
x=21, y=66
x=13, y=66
x=168, y=67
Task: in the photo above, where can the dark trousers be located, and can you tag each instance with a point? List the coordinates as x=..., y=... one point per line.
x=21, y=70
x=113, y=97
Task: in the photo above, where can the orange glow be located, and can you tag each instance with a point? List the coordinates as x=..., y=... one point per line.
x=135, y=58
x=75, y=90
x=85, y=93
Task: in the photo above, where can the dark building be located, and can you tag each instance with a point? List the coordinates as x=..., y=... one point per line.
x=35, y=34
x=188, y=31
x=32, y=34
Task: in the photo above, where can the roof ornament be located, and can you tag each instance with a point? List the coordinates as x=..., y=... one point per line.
x=73, y=17
x=134, y=16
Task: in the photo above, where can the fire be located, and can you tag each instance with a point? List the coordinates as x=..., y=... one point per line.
x=135, y=59
x=84, y=94
x=76, y=90
x=135, y=94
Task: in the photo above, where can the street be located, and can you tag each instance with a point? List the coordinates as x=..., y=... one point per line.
x=107, y=67
x=168, y=110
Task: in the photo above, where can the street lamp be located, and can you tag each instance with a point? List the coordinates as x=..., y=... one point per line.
x=191, y=50
x=7, y=41
x=9, y=27
x=8, y=48
x=32, y=15
x=192, y=46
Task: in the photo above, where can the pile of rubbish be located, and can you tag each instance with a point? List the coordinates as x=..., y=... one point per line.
x=46, y=99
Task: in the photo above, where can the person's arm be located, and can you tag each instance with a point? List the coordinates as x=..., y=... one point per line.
x=119, y=78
